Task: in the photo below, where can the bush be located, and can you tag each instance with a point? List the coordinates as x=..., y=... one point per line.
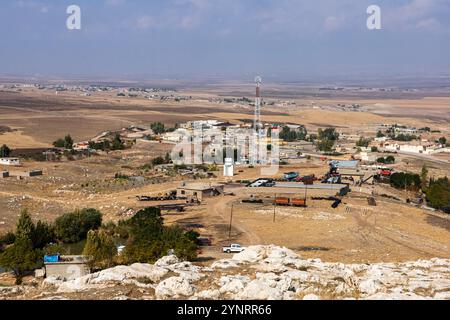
x=73, y=227
x=387, y=160
x=158, y=161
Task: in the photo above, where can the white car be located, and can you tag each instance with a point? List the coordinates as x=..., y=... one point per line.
x=234, y=248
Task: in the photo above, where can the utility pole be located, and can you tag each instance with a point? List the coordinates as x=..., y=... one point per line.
x=274, y=207
x=306, y=191
x=231, y=220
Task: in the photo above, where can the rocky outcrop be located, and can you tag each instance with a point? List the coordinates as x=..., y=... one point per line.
x=259, y=272
x=174, y=287
x=138, y=274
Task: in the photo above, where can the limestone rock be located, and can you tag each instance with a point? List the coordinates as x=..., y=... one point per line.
x=174, y=287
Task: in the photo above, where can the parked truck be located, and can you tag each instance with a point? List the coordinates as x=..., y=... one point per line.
x=233, y=248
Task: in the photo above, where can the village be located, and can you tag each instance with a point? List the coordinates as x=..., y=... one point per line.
x=362, y=194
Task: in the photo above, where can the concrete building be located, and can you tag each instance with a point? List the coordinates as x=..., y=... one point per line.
x=68, y=267
x=26, y=174
x=199, y=191
x=10, y=161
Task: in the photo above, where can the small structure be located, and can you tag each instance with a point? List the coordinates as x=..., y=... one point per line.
x=26, y=174
x=228, y=168
x=10, y=161
x=68, y=267
x=4, y=174
x=199, y=191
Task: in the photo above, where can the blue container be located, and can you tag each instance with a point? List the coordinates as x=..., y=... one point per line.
x=51, y=259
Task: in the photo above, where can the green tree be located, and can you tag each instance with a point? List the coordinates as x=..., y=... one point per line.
x=21, y=258
x=5, y=151
x=328, y=134
x=326, y=139
x=73, y=227
x=363, y=142
x=404, y=179
x=325, y=145
x=390, y=160
x=380, y=134
x=60, y=143
x=68, y=142
x=424, y=178
x=117, y=143
x=149, y=240
x=44, y=233
x=443, y=141
x=158, y=127
x=438, y=194
x=101, y=249
x=25, y=227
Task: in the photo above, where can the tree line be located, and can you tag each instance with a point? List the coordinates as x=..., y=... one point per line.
x=146, y=237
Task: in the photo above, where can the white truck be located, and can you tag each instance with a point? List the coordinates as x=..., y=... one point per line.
x=234, y=248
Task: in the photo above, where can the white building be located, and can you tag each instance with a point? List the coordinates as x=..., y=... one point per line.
x=10, y=161
x=416, y=148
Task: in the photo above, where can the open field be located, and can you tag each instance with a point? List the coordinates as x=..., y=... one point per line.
x=42, y=117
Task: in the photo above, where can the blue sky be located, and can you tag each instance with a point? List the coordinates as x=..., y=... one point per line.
x=230, y=38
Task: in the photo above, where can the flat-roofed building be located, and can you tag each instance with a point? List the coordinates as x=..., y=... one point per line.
x=68, y=267
x=199, y=191
x=10, y=161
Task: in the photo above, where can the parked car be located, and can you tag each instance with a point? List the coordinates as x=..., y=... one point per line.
x=234, y=248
